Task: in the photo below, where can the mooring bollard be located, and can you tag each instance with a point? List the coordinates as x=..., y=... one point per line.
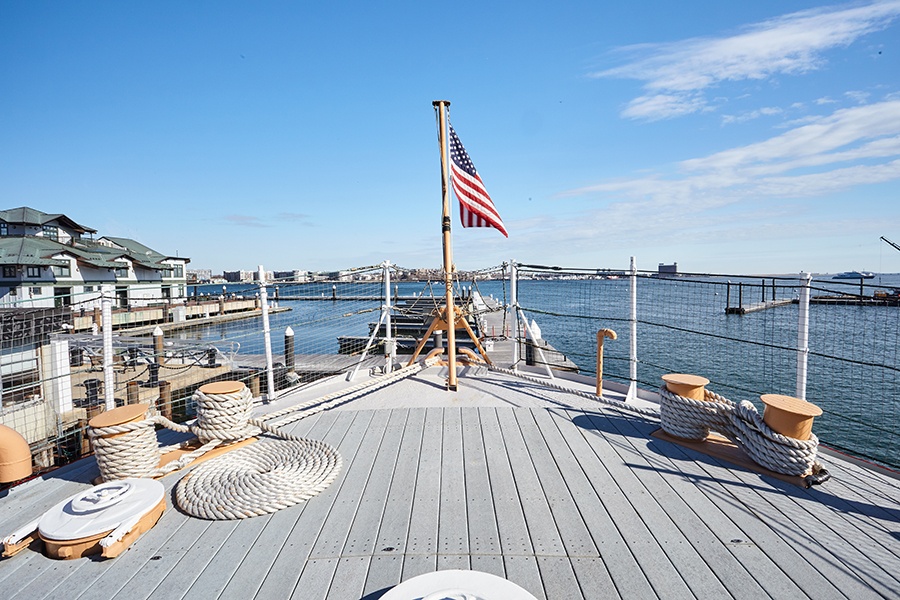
x=686, y=386
x=133, y=392
x=603, y=333
x=159, y=345
x=789, y=416
x=164, y=404
x=289, y=349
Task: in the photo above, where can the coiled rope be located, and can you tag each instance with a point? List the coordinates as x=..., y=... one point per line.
x=256, y=480
x=742, y=424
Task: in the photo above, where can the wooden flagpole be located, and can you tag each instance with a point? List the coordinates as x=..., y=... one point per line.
x=450, y=315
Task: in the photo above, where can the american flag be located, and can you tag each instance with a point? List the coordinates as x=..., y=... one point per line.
x=475, y=206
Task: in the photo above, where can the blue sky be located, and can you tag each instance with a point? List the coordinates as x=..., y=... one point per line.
x=731, y=137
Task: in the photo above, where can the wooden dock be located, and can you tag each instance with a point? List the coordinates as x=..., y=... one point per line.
x=750, y=308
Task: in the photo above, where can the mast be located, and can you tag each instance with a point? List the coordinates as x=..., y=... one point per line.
x=450, y=316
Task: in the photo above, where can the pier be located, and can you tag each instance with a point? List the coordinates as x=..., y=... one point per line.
x=743, y=310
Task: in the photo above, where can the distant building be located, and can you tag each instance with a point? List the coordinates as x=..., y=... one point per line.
x=199, y=276
x=239, y=276
x=46, y=262
x=292, y=276
x=669, y=270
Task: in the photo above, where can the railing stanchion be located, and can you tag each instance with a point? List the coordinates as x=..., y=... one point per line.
x=803, y=336
x=267, y=338
x=514, y=304
x=389, y=347
x=109, y=379
x=632, y=342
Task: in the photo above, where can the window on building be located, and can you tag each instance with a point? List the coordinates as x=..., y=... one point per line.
x=62, y=297
x=33, y=272
x=51, y=232
x=62, y=271
x=122, y=272
x=179, y=271
x=88, y=288
x=4, y=228
x=13, y=291
x=9, y=272
x=35, y=291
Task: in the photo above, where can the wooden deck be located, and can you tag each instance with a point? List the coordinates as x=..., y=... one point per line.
x=564, y=497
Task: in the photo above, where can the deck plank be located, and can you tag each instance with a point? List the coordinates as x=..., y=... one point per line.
x=746, y=570
x=334, y=535
x=557, y=476
x=423, y=519
x=370, y=511
x=394, y=527
x=274, y=545
x=611, y=478
x=816, y=535
x=289, y=566
x=227, y=559
x=484, y=537
x=512, y=528
x=618, y=560
x=738, y=499
x=538, y=516
x=453, y=526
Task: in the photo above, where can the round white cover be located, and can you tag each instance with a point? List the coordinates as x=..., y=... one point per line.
x=100, y=509
x=455, y=584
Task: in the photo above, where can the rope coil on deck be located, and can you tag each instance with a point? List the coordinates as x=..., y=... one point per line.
x=742, y=424
x=248, y=482
x=258, y=479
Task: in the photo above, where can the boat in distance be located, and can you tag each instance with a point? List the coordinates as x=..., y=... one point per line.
x=855, y=275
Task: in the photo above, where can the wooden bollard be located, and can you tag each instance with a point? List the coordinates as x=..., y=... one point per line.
x=686, y=386
x=789, y=416
x=164, y=404
x=254, y=385
x=603, y=333
x=133, y=392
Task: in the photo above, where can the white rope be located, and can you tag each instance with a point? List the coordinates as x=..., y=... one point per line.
x=617, y=404
x=742, y=424
x=258, y=479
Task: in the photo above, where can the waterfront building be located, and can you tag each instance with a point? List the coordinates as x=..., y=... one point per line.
x=49, y=260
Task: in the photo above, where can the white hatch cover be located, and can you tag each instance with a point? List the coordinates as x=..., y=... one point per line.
x=455, y=584
x=100, y=509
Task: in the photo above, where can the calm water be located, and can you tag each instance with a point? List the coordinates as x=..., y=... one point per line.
x=853, y=364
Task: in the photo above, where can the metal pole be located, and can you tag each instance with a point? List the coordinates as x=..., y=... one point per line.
x=389, y=349
x=289, y=349
x=441, y=106
x=803, y=336
x=109, y=379
x=632, y=350
x=514, y=306
x=264, y=305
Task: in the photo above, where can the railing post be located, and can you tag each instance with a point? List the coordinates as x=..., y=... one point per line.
x=803, y=336
x=514, y=304
x=109, y=379
x=389, y=348
x=632, y=342
x=267, y=337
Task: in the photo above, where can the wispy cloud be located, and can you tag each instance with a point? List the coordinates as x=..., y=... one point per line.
x=245, y=221
x=677, y=75
x=850, y=147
